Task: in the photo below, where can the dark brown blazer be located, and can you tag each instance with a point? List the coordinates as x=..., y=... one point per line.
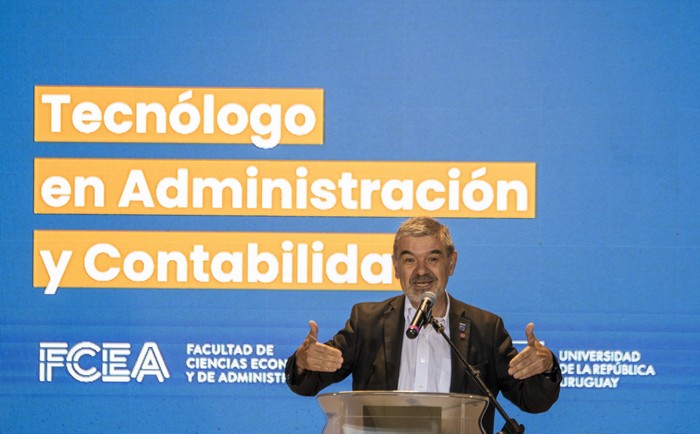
x=371, y=346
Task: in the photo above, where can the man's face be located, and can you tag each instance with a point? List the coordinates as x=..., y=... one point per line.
x=422, y=264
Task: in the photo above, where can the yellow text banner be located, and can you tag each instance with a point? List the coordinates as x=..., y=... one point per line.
x=212, y=260
x=264, y=117
x=285, y=188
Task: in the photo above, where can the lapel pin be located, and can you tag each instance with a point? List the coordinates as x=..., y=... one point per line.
x=462, y=330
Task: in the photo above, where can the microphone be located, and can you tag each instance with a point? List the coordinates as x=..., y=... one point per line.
x=422, y=315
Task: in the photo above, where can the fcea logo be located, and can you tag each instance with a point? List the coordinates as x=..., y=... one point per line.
x=88, y=362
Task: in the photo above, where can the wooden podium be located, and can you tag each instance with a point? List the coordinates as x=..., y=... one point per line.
x=402, y=412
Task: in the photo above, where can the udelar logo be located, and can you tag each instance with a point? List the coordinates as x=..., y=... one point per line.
x=88, y=362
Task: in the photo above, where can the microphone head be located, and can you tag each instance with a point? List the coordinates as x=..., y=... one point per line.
x=431, y=297
x=422, y=317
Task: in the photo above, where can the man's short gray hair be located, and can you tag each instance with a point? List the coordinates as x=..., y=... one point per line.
x=425, y=227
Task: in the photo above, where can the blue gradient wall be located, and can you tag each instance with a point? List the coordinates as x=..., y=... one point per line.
x=603, y=97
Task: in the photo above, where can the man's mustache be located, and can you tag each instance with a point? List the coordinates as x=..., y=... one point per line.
x=423, y=278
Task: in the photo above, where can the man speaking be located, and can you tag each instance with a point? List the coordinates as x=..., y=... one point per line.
x=384, y=349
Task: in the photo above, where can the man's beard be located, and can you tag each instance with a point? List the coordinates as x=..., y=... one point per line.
x=415, y=295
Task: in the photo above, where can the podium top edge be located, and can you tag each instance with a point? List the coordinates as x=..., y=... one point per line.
x=403, y=393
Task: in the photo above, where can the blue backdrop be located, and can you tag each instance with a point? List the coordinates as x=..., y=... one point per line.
x=603, y=96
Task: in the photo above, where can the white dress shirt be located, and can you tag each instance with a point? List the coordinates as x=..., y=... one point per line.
x=426, y=364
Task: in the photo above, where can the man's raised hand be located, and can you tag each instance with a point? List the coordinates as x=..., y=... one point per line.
x=313, y=356
x=534, y=359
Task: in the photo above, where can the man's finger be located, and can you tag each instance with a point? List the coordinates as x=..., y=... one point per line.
x=524, y=364
x=313, y=331
x=530, y=334
x=330, y=364
x=520, y=359
x=323, y=350
x=323, y=358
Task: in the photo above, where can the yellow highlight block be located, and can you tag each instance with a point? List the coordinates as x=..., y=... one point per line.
x=212, y=260
x=264, y=117
x=285, y=188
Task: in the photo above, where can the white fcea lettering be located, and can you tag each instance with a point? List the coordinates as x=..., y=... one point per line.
x=84, y=363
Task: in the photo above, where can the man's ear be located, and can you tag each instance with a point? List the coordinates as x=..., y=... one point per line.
x=453, y=262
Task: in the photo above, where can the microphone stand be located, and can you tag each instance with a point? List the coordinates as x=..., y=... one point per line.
x=511, y=426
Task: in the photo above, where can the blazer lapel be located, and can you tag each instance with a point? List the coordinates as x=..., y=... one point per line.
x=460, y=327
x=393, y=340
